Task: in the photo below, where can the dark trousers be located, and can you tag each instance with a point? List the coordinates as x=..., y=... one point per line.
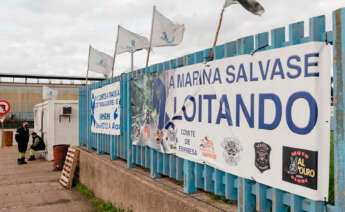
x=22, y=147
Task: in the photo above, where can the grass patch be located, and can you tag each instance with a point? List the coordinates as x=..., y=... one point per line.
x=222, y=199
x=99, y=204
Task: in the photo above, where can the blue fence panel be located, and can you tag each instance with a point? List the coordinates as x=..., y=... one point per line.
x=339, y=79
x=250, y=195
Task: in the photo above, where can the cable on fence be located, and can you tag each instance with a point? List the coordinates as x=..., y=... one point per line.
x=325, y=202
x=258, y=49
x=328, y=41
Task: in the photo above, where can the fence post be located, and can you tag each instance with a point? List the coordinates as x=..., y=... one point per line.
x=262, y=203
x=88, y=103
x=189, y=181
x=278, y=40
x=122, y=136
x=99, y=143
x=339, y=91
x=130, y=155
x=246, y=201
x=189, y=177
x=79, y=115
x=113, y=155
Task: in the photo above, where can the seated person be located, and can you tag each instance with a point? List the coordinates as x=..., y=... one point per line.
x=37, y=144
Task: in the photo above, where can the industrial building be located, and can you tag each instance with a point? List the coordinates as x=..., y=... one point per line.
x=25, y=91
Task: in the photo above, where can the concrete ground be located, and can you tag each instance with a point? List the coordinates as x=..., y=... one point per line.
x=34, y=187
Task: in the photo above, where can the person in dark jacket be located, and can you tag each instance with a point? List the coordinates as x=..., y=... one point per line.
x=37, y=144
x=22, y=138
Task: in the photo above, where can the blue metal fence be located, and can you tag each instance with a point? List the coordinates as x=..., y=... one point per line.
x=250, y=195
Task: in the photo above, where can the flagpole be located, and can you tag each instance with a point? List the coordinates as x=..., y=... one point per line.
x=216, y=37
x=87, y=97
x=149, y=50
x=117, y=39
x=132, y=62
x=88, y=64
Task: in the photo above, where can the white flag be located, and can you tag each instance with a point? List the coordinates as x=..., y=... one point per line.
x=49, y=93
x=251, y=5
x=99, y=62
x=227, y=3
x=128, y=41
x=164, y=31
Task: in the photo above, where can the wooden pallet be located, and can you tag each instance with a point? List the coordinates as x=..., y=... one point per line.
x=69, y=166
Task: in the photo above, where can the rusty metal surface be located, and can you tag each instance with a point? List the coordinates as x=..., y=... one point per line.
x=339, y=77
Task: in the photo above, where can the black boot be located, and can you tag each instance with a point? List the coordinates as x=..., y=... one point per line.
x=32, y=157
x=23, y=161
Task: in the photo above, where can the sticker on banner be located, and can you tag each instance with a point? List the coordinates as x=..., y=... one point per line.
x=232, y=149
x=262, y=156
x=300, y=167
x=207, y=148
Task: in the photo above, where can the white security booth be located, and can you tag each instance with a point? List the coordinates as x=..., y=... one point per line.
x=56, y=121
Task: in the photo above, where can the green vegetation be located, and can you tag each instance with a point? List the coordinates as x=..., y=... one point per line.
x=99, y=204
x=222, y=199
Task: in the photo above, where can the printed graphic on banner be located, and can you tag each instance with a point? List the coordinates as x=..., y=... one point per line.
x=207, y=148
x=237, y=113
x=105, y=109
x=149, y=120
x=262, y=156
x=300, y=167
x=232, y=149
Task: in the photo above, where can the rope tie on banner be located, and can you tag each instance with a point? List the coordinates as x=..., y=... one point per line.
x=257, y=49
x=325, y=202
x=328, y=41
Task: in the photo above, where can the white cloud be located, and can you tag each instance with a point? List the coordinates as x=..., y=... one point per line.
x=52, y=37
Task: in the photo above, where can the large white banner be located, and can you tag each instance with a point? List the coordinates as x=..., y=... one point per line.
x=264, y=117
x=105, y=109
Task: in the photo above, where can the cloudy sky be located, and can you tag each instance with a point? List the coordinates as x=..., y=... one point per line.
x=52, y=36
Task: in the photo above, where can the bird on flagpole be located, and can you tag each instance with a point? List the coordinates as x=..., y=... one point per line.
x=251, y=5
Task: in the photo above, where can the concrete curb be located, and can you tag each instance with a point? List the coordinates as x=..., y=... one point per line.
x=133, y=188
